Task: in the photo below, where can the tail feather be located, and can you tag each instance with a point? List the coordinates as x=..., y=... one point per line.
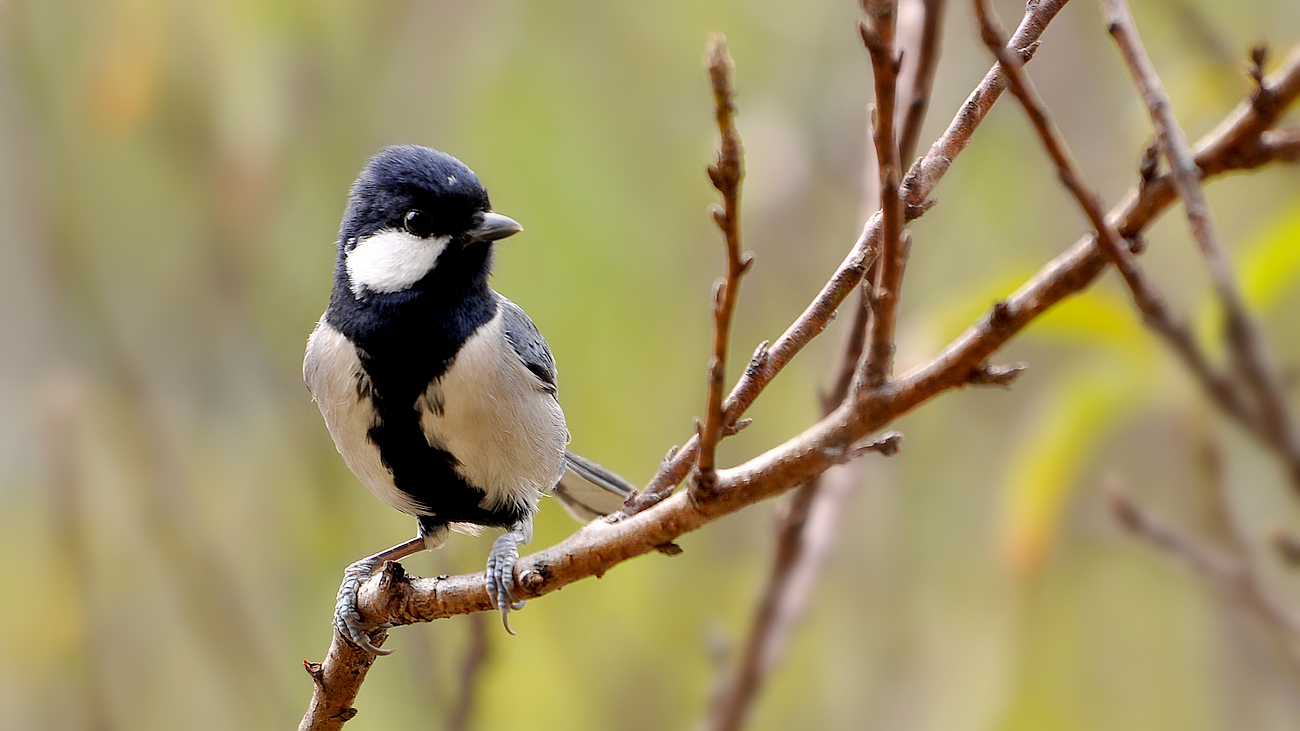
x=588, y=491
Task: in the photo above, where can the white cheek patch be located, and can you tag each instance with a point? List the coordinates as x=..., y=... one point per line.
x=392, y=260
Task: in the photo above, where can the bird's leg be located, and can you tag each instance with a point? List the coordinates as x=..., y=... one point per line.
x=501, y=568
x=347, y=620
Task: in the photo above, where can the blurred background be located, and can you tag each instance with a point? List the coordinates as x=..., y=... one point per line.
x=174, y=519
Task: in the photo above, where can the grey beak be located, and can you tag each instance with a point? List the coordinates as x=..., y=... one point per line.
x=494, y=226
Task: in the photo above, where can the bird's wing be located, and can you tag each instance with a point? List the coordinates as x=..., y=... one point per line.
x=528, y=344
x=588, y=491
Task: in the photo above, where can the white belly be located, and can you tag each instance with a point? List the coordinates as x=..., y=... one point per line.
x=499, y=421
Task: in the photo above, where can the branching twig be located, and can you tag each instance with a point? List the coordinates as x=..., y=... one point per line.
x=1146, y=297
x=917, y=186
x=726, y=175
x=1233, y=145
x=1243, y=332
x=392, y=597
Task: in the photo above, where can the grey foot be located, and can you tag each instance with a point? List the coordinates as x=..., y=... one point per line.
x=347, y=620
x=501, y=575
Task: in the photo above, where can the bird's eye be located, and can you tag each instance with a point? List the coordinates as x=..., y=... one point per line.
x=418, y=223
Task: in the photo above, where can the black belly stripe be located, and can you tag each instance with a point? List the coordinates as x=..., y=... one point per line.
x=406, y=340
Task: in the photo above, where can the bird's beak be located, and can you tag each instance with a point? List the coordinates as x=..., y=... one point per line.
x=494, y=226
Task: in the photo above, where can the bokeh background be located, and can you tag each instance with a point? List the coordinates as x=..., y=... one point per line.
x=174, y=519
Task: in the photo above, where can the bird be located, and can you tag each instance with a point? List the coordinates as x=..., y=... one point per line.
x=440, y=394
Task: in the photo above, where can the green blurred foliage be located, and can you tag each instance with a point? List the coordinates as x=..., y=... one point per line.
x=173, y=516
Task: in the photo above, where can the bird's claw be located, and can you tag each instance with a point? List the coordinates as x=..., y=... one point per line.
x=347, y=619
x=501, y=576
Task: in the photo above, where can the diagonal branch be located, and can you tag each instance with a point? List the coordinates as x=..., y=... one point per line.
x=927, y=61
x=1235, y=144
x=1243, y=332
x=769, y=360
x=726, y=175
x=1146, y=297
x=1229, y=573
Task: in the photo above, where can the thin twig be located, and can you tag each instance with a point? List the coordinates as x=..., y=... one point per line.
x=769, y=360
x=1226, y=572
x=1238, y=545
x=726, y=175
x=927, y=61
x=471, y=671
x=1243, y=332
x=877, y=31
x=805, y=530
x=62, y=399
x=854, y=342
x=1233, y=145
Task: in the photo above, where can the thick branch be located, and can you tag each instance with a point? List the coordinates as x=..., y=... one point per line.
x=726, y=175
x=1242, y=330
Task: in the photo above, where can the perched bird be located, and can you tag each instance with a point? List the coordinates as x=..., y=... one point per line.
x=440, y=394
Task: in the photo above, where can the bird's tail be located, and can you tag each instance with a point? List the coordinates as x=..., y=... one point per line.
x=588, y=491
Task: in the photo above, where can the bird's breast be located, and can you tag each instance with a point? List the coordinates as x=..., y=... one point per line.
x=500, y=422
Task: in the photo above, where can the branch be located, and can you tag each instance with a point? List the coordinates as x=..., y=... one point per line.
x=470, y=672
x=393, y=597
x=768, y=361
x=1283, y=144
x=1146, y=297
x=1243, y=332
x=804, y=533
x=877, y=31
x=726, y=175
x=1235, y=144
x=806, y=525
x=927, y=61
x=1228, y=573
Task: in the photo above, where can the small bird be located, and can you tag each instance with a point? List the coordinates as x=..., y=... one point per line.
x=440, y=394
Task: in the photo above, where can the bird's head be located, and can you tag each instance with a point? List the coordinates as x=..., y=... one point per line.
x=417, y=217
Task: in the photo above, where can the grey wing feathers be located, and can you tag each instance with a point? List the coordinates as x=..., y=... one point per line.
x=588, y=491
x=528, y=343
